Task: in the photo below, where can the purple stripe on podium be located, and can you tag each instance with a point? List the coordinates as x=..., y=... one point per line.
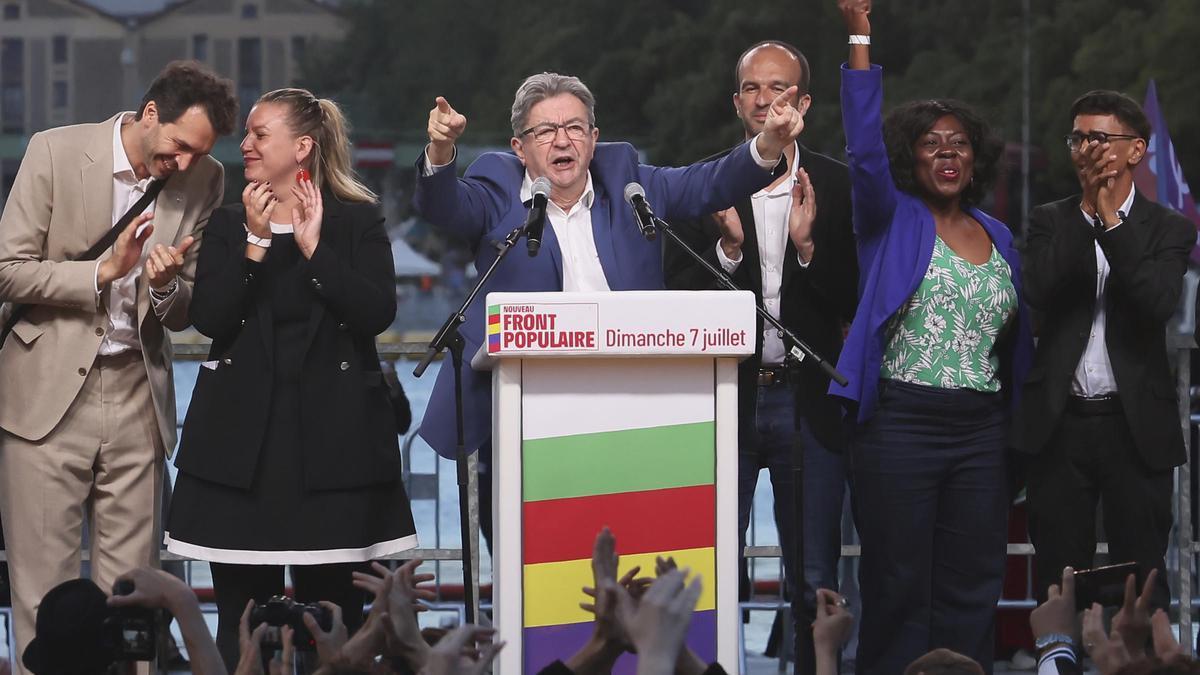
x=545, y=644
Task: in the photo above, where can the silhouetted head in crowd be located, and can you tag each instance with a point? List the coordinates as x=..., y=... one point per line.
x=69, y=638
x=944, y=662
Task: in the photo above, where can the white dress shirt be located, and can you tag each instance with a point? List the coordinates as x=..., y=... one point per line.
x=1094, y=374
x=581, y=267
x=122, y=333
x=771, y=207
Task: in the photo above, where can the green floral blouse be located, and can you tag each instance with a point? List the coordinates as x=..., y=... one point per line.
x=944, y=335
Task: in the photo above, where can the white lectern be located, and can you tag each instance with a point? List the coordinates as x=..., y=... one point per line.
x=618, y=410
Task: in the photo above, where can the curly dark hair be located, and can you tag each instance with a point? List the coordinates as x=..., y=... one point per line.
x=909, y=121
x=183, y=84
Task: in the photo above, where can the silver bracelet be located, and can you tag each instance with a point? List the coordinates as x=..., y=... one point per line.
x=860, y=40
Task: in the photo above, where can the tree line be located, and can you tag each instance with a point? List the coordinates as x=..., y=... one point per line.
x=662, y=72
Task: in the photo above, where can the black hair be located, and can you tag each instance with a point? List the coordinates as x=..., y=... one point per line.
x=905, y=124
x=1106, y=102
x=184, y=84
x=805, y=72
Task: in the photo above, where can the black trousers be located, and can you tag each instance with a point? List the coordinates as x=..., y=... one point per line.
x=1090, y=460
x=236, y=585
x=931, y=504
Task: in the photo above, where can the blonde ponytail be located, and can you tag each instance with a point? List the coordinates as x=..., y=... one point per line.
x=334, y=165
x=323, y=120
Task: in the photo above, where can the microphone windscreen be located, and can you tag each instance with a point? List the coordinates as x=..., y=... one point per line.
x=634, y=190
x=541, y=186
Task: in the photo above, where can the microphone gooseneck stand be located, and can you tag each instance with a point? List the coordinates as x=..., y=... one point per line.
x=448, y=337
x=797, y=352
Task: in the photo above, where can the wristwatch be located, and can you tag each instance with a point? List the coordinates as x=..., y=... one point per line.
x=1054, y=639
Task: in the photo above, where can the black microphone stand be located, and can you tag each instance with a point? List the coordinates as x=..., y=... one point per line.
x=448, y=337
x=797, y=352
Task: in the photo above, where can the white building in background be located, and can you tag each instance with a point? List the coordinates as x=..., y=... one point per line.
x=71, y=61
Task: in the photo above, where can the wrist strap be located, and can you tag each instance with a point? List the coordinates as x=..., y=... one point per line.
x=18, y=310
x=251, y=238
x=860, y=40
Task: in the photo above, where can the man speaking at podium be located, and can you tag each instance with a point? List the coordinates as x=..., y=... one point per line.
x=593, y=242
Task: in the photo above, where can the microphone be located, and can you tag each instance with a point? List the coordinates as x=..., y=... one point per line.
x=535, y=222
x=635, y=196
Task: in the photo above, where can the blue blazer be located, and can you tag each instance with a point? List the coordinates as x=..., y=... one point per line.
x=895, y=232
x=485, y=205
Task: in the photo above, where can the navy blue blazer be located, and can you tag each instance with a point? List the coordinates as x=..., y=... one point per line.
x=485, y=205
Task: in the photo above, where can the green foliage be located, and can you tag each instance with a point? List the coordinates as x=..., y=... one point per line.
x=662, y=71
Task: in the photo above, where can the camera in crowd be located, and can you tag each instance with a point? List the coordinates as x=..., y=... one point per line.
x=131, y=632
x=76, y=630
x=283, y=611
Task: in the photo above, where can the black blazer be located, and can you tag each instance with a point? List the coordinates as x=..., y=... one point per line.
x=348, y=428
x=1147, y=257
x=814, y=301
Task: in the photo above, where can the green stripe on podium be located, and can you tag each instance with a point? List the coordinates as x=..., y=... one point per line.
x=655, y=458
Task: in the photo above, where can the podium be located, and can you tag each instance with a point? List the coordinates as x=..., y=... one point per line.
x=618, y=410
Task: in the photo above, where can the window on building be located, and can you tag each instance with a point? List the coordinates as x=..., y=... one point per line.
x=12, y=11
x=59, y=92
x=12, y=86
x=299, y=48
x=250, y=77
x=59, y=48
x=200, y=47
x=249, y=11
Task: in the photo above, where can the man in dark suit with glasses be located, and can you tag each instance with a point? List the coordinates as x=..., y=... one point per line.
x=1100, y=418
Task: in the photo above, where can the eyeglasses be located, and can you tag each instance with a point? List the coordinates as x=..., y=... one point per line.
x=1076, y=139
x=546, y=133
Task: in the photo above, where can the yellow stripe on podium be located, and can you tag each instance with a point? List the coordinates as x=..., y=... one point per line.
x=553, y=591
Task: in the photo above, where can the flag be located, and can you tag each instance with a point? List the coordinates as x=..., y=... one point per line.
x=1159, y=176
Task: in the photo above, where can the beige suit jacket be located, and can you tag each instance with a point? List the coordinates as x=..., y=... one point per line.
x=61, y=204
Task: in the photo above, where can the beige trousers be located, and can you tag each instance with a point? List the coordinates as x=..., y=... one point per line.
x=104, y=461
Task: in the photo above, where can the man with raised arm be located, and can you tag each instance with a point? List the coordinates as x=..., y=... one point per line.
x=592, y=241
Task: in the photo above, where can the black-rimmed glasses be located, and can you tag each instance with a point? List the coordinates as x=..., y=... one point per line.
x=546, y=133
x=1076, y=139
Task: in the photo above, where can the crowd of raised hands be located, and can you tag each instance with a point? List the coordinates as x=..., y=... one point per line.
x=1136, y=641
x=645, y=615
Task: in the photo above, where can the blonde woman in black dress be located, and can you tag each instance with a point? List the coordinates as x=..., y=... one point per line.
x=289, y=453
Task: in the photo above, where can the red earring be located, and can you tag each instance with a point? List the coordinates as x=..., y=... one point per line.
x=303, y=175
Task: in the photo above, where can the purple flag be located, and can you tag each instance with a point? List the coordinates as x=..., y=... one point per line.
x=1159, y=176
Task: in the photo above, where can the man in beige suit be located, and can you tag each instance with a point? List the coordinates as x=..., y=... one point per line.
x=87, y=403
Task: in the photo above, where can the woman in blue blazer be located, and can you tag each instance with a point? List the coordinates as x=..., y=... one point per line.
x=939, y=340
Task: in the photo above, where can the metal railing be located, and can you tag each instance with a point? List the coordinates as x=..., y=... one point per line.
x=1181, y=565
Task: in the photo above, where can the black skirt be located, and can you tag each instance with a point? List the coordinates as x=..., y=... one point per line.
x=278, y=521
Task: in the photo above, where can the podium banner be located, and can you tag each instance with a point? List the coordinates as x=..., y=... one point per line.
x=614, y=410
x=603, y=458
x=542, y=324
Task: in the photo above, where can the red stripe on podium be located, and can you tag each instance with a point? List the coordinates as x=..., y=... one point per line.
x=643, y=522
